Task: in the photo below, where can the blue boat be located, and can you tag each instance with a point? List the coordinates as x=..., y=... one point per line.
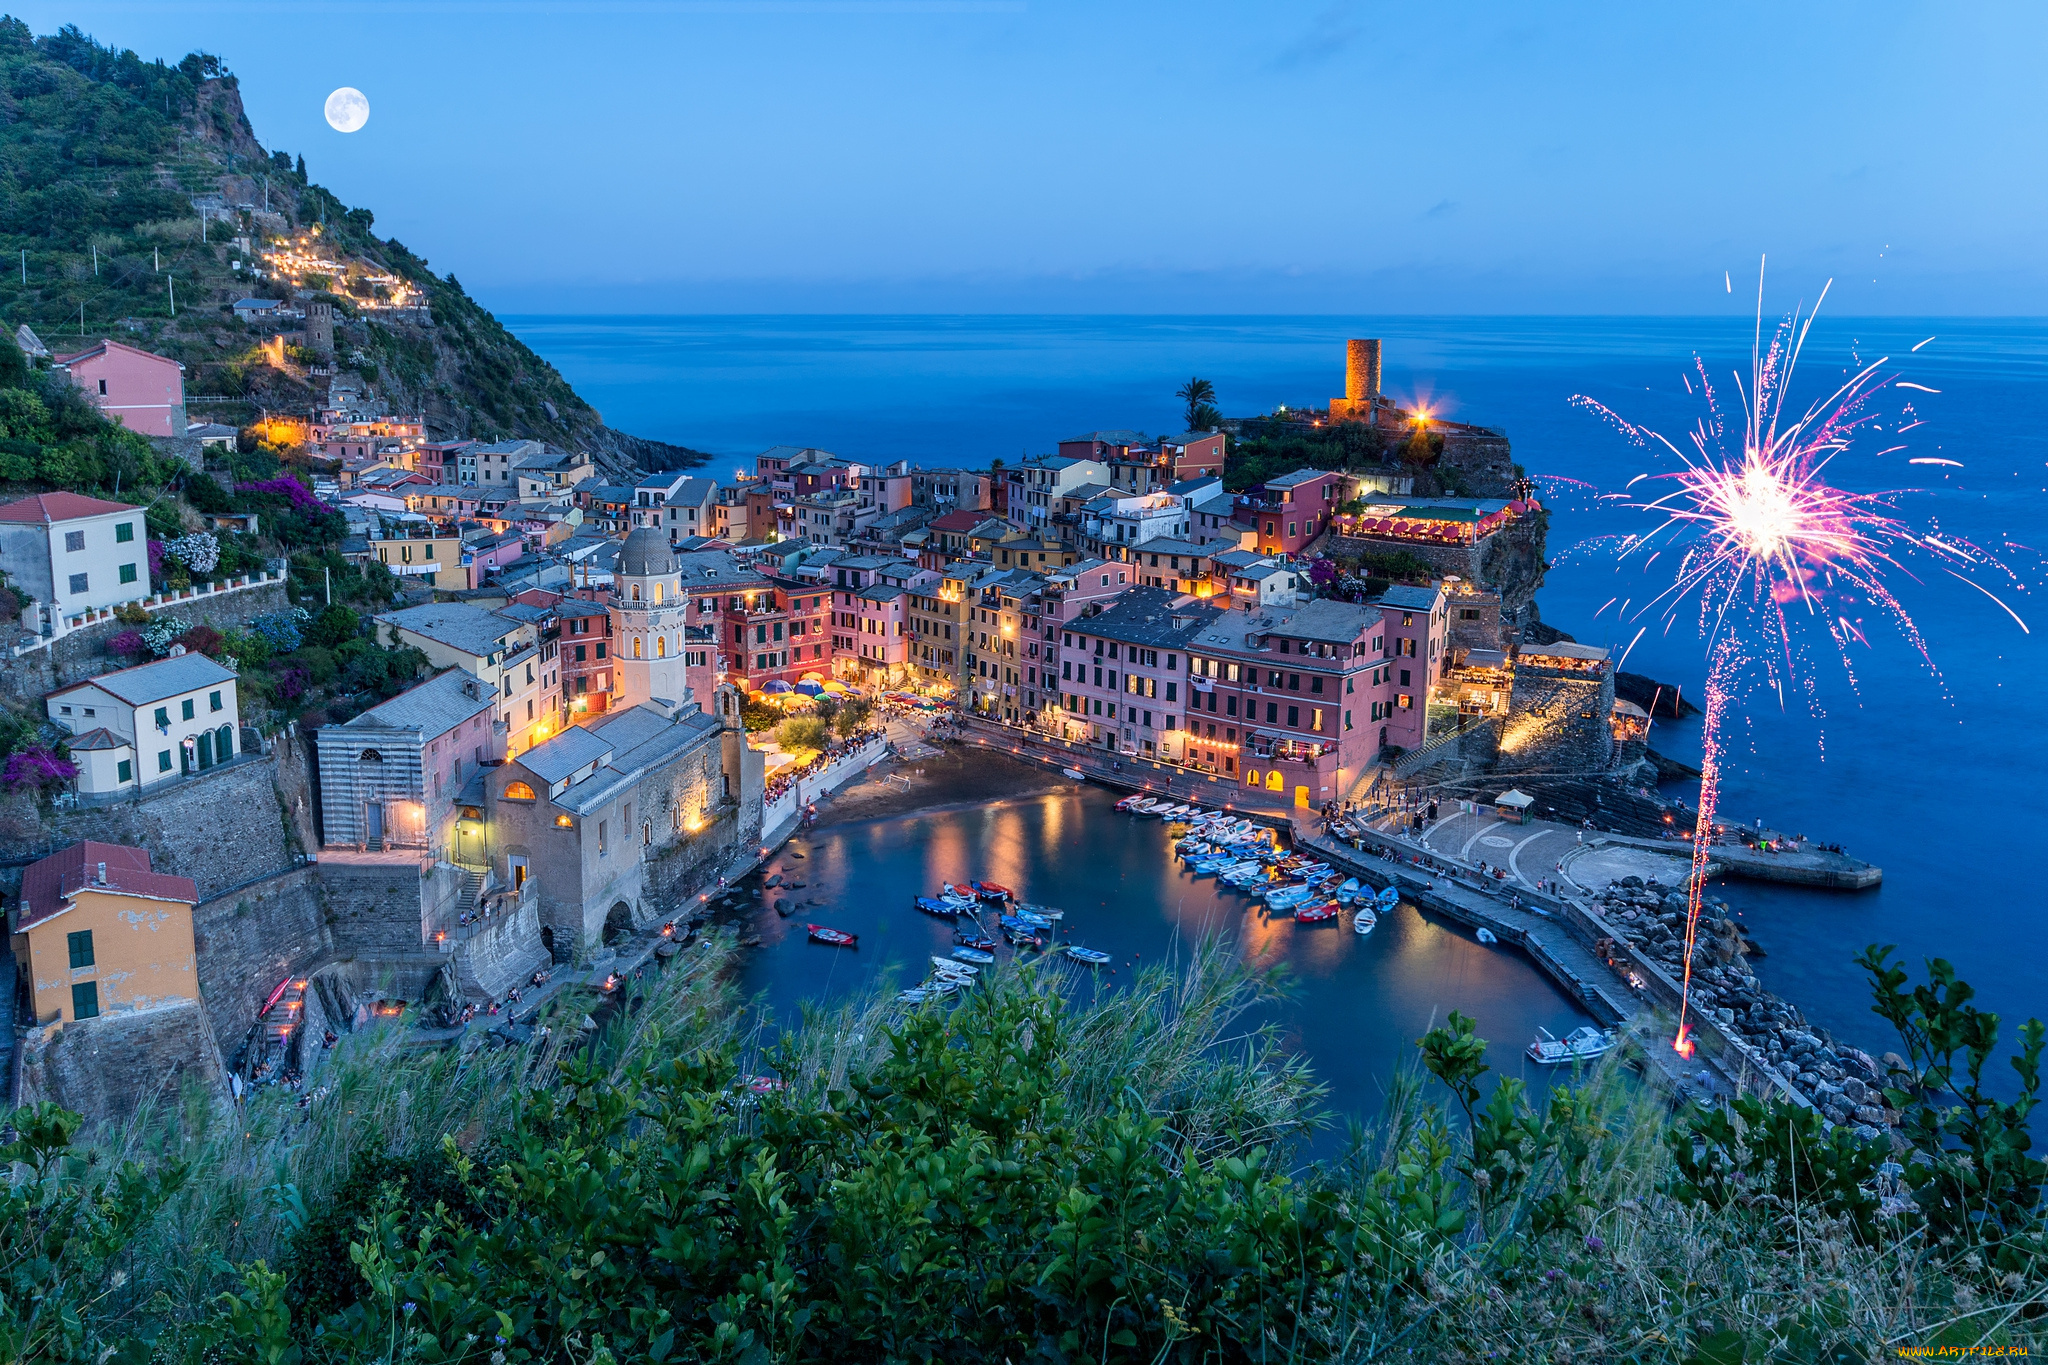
x=1093, y=957
x=932, y=905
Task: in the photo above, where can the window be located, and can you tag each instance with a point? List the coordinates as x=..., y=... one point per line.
x=1293, y=717
x=85, y=996
x=125, y=532
x=213, y=701
x=519, y=791
x=124, y=771
x=163, y=761
x=80, y=946
x=564, y=822
x=185, y=709
x=602, y=830
x=163, y=717
x=127, y=573
x=79, y=583
x=74, y=540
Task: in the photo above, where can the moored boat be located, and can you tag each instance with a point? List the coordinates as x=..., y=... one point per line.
x=1365, y=922
x=991, y=891
x=932, y=905
x=1580, y=1045
x=1486, y=936
x=1074, y=773
x=981, y=942
x=838, y=938
x=1093, y=957
x=975, y=956
x=1316, y=914
x=947, y=966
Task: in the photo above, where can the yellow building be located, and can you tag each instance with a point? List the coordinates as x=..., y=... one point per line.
x=97, y=932
x=425, y=557
x=938, y=628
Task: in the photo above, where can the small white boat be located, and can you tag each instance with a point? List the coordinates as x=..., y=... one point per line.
x=974, y=956
x=1486, y=936
x=946, y=966
x=1074, y=773
x=1578, y=1046
x=1093, y=957
x=1367, y=921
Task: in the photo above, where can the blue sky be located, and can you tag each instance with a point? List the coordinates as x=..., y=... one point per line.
x=1039, y=155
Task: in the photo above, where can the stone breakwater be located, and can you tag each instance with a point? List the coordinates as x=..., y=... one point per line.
x=1843, y=1082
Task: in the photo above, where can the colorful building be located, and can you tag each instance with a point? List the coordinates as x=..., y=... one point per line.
x=97, y=931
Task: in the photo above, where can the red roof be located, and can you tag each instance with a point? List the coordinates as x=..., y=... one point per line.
x=961, y=521
x=44, y=508
x=47, y=886
x=106, y=345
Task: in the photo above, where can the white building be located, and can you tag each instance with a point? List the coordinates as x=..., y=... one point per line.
x=649, y=610
x=1132, y=519
x=151, y=723
x=71, y=554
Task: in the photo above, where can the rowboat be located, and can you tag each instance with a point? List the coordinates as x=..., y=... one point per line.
x=1387, y=899
x=1578, y=1046
x=1130, y=801
x=838, y=938
x=1074, y=773
x=974, y=955
x=946, y=966
x=1316, y=914
x=991, y=891
x=980, y=942
x=1486, y=936
x=1048, y=913
x=932, y=905
x=1366, y=922
x=1091, y=956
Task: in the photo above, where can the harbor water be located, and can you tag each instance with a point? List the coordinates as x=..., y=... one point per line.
x=1924, y=766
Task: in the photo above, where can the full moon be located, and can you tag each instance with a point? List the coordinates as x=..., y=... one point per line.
x=347, y=109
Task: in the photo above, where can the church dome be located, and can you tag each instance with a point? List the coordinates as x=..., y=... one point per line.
x=646, y=554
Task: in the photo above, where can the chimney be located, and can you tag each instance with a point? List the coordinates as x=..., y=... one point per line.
x=1362, y=371
x=101, y=874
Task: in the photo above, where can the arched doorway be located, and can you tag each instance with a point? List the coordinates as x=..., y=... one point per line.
x=618, y=923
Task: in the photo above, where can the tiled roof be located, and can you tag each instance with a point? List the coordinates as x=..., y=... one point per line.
x=1412, y=599
x=44, y=508
x=1299, y=477
x=145, y=683
x=102, y=738
x=457, y=625
x=433, y=707
x=1147, y=616
x=566, y=754
x=48, y=885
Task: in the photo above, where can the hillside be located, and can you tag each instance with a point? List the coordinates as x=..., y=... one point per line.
x=136, y=203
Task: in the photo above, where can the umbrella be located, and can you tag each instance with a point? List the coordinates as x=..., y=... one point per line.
x=809, y=688
x=814, y=677
x=835, y=686
x=777, y=687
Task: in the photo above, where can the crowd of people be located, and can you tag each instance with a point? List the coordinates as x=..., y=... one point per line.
x=823, y=759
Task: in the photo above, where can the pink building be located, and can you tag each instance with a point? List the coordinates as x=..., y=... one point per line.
x=141, y=390
x=1292, y=510
x=1295, y=702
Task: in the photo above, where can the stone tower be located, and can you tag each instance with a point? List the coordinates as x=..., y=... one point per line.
x=648, y=611
x=320, y=327
x=1361, y=382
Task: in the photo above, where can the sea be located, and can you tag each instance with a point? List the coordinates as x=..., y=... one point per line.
x=1918, y=749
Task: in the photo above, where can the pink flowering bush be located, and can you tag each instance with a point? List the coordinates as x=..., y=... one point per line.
x=36, y=768
x=296, y=494
x=128, y=642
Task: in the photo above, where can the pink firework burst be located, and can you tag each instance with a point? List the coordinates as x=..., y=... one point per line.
x=1765, y=547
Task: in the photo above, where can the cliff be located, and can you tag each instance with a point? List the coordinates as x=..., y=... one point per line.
x=136, y=203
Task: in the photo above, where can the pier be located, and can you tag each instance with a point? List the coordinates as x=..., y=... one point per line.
x=1477, y=869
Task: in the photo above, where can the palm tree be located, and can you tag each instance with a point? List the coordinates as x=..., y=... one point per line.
x=1200, y=396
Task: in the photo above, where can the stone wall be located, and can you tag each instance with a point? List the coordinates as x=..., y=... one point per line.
x=1508, y=562
x=1558, y=724
x=106, y=1068
x=503, y=952
x=250, y=939
x=83, y=652
x=376, y=908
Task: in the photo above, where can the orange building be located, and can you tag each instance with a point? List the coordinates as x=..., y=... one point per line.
x=97, y=932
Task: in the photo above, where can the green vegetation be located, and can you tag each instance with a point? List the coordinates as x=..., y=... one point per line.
x=1201, y=413
x=105, y=163
x=1267, y=450
x=1025, y=1177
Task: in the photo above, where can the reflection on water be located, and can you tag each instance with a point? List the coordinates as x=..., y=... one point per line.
x=1356, y=1005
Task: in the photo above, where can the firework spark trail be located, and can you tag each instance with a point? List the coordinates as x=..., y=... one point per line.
x=1764, y=538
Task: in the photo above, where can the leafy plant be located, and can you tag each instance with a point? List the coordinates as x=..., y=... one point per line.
x=1974, y=1176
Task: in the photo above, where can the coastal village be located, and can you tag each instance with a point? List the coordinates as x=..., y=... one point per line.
x=590, y=739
